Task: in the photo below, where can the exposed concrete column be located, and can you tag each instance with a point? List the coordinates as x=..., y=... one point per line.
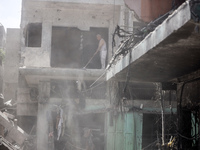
x=125, y=21
x=179, y=112
x=1, y=79
x=113, y=93
x=46, y=39
x=113, y=22
x=42, y=123
x=122, y=16
x=113, y=97
x=107, y=114
x=126, y=18
x=116, y=20
x=130, y=20
x=11, y=64
x=110, y=34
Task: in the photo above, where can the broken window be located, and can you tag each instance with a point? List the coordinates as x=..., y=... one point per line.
x=33, y=36
x=73, y=48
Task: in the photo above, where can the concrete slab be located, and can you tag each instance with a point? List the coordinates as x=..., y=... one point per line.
x=48, y=10
x=116, y=2
x=34, y=75
x=170, y=51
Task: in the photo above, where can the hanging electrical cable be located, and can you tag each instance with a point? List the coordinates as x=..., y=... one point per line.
x=130, y=41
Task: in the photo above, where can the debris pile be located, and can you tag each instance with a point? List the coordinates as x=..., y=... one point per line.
x=11, y=136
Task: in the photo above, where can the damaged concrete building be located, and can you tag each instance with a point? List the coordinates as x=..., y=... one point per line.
x=45, y=75
x=132, y=104
x=169, y=56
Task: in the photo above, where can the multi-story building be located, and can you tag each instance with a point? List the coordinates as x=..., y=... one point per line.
x=46, y=72
x=61, y=101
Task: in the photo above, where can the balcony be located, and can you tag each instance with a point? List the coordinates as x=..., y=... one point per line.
x=170, y=51
x=34, y=75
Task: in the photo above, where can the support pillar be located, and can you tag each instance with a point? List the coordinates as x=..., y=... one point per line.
x=46, y=41
x=42, y=123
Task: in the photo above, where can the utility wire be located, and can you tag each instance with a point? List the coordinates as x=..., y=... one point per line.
x=93, y=87
x=129, y=43
x=149, y=145
x=98, y=78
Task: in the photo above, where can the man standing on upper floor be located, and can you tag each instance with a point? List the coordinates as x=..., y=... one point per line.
x=103, y=50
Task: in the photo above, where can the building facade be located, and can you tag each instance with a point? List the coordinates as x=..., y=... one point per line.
x=46, y=73
x=169, y=55
x=129, y=106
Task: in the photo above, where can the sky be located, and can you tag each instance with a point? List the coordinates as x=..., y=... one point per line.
x=10, y=13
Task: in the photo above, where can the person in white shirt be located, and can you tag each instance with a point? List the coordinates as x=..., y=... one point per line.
x=103, y=50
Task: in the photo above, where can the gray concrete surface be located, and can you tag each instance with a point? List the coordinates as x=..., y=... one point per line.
x=80, y=14
x=11, y=65
x=170, y=51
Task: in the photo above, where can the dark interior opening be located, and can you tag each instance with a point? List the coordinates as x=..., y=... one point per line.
x=28, y=124
x=152, y=130
x=189, y=115
x=189, y=128
x=73, y=48
x=33, y=35
x=143, y=91
x=94, y=122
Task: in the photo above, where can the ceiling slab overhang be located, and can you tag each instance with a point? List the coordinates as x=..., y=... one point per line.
x=35, y=75
x=93, y=7
x=88, y=13
x=170, y=51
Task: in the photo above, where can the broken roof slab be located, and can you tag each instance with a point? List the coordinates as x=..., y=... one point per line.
x=34, y=75
x=81, y=14
x=111, y=2
x=170, y=51
x=99, y=6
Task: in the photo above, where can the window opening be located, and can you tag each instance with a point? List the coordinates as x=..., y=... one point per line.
x=33, y=35
x=73, y=48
